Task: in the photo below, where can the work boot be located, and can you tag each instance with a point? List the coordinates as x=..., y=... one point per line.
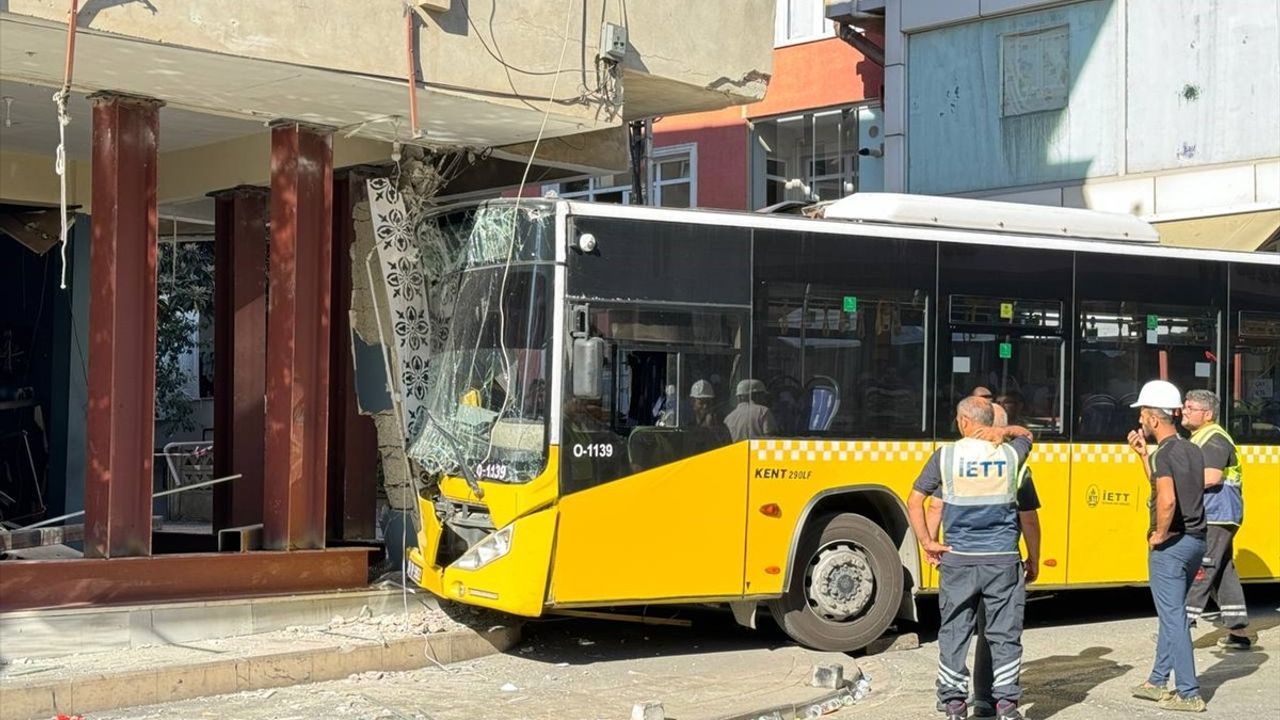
x=1008, y=710
x=1147, y=691
x=956, y=710
x=1235, y=642
x=1178, y=703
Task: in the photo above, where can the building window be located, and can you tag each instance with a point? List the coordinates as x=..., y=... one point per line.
x=799, y=21
x=1035, y=71
x=809, y=157
x=673, y=181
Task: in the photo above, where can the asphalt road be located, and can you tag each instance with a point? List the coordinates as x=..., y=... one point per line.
x=1084, y=650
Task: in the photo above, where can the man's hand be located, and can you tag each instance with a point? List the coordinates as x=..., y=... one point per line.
x=997, y=435
x=1032, y=567
x=1157, y=539
x=1138, y=443
x=934, y=550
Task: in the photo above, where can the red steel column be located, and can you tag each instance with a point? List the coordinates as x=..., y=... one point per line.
x=122, y=327
x=353, y=439
x=240, y=353
x=297, y=407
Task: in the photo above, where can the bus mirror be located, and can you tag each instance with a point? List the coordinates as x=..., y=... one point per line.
x=588, y=360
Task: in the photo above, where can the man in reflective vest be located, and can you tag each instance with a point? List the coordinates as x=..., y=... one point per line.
x=981, y=562
x=1224, y=511
x=984, y=704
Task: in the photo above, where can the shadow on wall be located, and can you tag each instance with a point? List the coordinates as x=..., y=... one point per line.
x=1000, y=102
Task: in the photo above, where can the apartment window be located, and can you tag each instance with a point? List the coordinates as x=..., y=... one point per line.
x=808, y=157
x=673, y=181
x=799, y=21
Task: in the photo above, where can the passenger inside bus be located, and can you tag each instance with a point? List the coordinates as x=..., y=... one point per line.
x=752, y=417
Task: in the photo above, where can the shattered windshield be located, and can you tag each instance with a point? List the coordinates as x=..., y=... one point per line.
x=486, y=398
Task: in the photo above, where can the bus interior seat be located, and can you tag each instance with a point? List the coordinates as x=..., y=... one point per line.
x=823, y=395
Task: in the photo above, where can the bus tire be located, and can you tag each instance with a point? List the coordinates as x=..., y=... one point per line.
x=859, y=585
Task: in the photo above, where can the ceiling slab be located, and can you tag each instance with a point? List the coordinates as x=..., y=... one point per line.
x=205, y=83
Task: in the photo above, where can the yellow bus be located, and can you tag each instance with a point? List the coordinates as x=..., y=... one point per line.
x=578, y=472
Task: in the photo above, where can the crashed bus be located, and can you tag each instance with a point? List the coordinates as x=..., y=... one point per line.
x=576, y=471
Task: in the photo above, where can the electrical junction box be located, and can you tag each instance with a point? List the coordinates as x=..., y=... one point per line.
x=613, y=42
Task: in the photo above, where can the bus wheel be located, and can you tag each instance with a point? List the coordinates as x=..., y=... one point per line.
x=845, y=587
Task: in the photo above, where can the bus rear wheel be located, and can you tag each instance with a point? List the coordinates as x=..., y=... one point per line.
x=846, y=585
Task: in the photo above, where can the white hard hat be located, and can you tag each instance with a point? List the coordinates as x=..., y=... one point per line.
x=1160, y=394
x=702, y=389
x=749, y=386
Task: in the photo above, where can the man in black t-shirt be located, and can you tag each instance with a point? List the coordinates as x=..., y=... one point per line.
x=1175, y=536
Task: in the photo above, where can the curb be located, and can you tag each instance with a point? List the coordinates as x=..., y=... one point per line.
x=40, y=701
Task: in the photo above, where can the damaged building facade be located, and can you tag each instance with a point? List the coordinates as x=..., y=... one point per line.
x=258, y=173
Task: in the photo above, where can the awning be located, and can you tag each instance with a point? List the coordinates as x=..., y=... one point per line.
x=1244, y=231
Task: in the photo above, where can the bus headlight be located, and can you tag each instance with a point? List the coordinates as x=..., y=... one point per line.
x=486, y=551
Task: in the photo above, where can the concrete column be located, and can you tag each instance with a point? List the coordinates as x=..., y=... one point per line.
x=297, y=389
x=353, y=439
x=122, y=327
x=240, y=353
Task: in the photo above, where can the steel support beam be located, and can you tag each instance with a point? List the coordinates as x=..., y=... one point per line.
x=353, y=439
x=240, y=353
x=26, y=584
x=122, y=327
x=297, y=389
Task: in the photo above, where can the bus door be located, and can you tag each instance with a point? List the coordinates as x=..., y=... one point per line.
x=1015, y=348
x=1252, y=407
x=1172, y=333
x=653, y=493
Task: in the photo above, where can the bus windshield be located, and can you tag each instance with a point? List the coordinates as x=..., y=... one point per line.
x=486, y=397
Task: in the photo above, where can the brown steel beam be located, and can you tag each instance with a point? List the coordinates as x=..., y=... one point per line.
x=298, y=337
x=122, y=327
x=353, y=439
x=240, y=353
x=26, y=584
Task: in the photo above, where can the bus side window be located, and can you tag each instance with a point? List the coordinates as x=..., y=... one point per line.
x=1253, y=410
x=1141, y=319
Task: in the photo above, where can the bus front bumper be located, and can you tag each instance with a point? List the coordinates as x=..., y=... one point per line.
x=514, y=582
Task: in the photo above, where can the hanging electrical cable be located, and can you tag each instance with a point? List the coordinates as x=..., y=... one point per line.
x=60, y=158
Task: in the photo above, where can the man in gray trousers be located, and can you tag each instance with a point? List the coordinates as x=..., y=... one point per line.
x=981, y=563
x=984, y=705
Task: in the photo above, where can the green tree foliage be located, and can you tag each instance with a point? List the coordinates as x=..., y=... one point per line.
x=184, y=299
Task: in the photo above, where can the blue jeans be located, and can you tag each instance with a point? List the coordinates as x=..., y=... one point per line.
x=1173, y=568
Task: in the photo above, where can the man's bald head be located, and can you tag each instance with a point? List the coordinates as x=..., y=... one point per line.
x=999, y=417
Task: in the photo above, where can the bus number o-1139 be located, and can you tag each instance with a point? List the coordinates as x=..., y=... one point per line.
x=593, y=450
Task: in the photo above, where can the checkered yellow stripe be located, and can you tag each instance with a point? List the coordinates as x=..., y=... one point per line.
x=1259, y=454
x=1108, y=453
x=842, y=450
x=919, y=451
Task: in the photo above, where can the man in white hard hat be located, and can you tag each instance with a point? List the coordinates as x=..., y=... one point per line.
x=1224, y=511
x=1176, y=538
x=703, y=396
x=751, y=418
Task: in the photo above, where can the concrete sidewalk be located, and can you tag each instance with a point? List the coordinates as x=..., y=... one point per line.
x=178, y=668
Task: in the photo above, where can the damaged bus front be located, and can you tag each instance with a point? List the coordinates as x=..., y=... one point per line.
x=487, y=529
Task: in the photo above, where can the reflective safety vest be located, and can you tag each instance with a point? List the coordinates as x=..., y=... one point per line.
x=980, y=495
x=1223, y=503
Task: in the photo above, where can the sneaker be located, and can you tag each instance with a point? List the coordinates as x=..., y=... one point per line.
x=1147, y=691
x=956, y=710
x=1177, y=703
x=1006, y=710
x=1235, y=642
